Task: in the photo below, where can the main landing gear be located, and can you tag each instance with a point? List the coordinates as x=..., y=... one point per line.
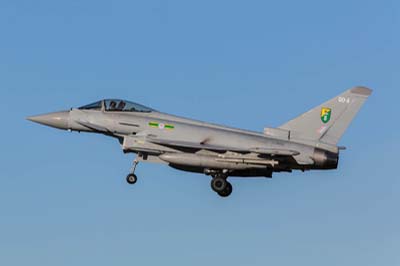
x=220, y=184
x=132, y=178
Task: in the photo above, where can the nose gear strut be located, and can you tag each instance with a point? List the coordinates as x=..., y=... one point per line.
x=132, y=178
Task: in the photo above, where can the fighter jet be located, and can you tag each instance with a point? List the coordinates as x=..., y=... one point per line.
x=308, y=142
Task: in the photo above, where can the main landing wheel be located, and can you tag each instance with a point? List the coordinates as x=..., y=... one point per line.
x=227, y=191
x=218, y=184
x=131, y=179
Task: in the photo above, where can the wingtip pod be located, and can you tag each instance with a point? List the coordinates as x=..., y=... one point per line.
x=360, y=90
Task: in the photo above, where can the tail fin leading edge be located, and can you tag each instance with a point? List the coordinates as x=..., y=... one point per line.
x=328, y=122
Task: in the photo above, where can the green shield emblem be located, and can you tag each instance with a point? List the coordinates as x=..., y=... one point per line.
x=326, y=115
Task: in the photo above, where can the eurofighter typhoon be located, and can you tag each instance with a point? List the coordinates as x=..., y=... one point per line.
x=308, y=142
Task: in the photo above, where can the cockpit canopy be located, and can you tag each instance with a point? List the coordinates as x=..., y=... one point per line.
x=115, y=105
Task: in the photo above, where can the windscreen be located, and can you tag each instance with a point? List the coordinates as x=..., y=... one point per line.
x=92, y=106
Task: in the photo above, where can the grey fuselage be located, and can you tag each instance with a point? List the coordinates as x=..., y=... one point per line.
x=196, y=146
x=306, y=142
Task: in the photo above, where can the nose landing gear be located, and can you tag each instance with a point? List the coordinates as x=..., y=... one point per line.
x=132, y=178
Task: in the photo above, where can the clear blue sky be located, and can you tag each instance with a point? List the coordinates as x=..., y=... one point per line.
x=249, y=64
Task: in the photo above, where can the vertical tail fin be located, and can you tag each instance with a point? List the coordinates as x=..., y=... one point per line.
x=328, y=122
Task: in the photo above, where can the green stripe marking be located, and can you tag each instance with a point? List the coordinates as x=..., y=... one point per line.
x=153, y=124
x=161, y=125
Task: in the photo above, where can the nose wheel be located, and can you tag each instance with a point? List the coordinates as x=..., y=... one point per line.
x=132, y=178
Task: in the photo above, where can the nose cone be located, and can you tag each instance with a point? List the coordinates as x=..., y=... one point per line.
x=58, y=120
